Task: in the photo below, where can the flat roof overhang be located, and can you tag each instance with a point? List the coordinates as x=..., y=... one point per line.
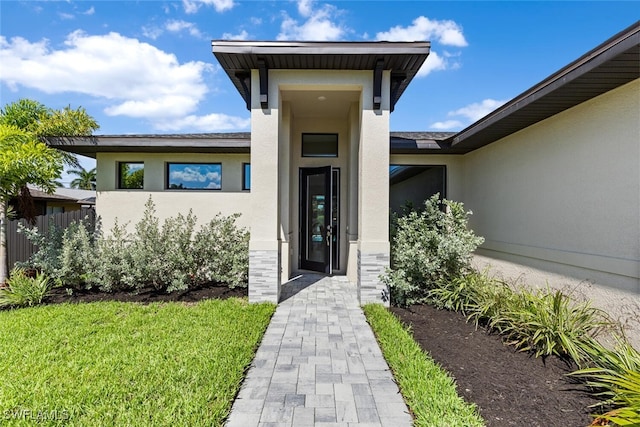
x=610, y=65
x=239, y=142
x=403, y=59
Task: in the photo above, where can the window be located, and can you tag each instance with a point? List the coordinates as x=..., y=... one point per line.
x=194, y=176
x=131, y=175
x=319, y=145
x=246, y=176
x=411, y=185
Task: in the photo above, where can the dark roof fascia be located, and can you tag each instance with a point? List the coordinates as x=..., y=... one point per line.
x=422, y=143
x=185, y=143
x=399, y=143
x=550, y=96
x=403, y=59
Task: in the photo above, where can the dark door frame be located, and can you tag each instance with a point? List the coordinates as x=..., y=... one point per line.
x=312, y=233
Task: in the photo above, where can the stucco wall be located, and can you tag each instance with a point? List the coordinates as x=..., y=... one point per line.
x=128, y=205
x=564, y=194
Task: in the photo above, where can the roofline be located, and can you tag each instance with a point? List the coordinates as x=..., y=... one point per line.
x=238, y=57
x=617, y=44
x=240, y=142
x=261, y=47
x=169, y=143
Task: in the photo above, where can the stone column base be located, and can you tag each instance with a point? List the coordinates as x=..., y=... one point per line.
x=264, y=276
x=370, y=287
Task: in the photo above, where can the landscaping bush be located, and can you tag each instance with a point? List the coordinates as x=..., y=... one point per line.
x=222, y=251
x=428, y=248
x=541, y=321
x=615, y=375
x=549, y=323
x=22, y=290
x=168, y=257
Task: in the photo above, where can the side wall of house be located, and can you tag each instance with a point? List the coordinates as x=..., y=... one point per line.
x=128, y=205
x=563, y=195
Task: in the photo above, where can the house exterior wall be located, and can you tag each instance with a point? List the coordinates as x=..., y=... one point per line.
x=564, y=194
x=128, y=205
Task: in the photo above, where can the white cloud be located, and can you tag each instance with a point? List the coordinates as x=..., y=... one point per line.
x=66, y=16
x=422, y=29
x=318, y=26
x=173, y=26
x=447, y=125
x=468, y=114
x=434, y=62
x=192, y=6
x=305, y=8
x=89, y=11
x=176, y=26
x=134, y=79
x=243, y=35
x=152, y=32
x=477, y=110
x=208, y=123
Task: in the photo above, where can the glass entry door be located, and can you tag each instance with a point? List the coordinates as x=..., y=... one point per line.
x=319, y=219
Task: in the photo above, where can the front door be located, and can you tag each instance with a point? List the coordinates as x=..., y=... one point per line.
x=319, y=219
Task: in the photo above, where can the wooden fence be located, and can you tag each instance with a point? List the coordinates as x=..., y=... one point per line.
x=20, y=248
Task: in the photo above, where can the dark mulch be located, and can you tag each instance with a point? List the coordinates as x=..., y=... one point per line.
x=510, y=388
x=148, y=295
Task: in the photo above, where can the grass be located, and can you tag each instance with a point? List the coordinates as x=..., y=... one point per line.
x=126, y=364
x=428, y=390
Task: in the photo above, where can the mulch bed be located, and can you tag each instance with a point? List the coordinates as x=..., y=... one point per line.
x=148, y=295
x=510, y=388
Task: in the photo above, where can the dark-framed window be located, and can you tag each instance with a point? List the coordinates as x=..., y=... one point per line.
x=411, y=185
x=319, y=145
x=131, y=175
x=194, y=176
x=246, y=176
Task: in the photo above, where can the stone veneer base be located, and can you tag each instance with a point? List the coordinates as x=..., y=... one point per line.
x=264, y=276
x=370, y=287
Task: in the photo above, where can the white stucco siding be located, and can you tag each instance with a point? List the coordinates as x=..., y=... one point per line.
x=565, y=190
x=128, y=205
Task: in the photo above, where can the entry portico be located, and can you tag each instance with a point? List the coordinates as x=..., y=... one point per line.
x=319, y=155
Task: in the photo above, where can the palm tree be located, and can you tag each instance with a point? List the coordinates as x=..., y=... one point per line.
x=86, y=179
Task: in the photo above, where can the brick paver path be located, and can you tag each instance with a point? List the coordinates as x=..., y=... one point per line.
x=319, y=365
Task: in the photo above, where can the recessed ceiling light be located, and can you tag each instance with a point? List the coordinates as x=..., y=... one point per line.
x=322, y=98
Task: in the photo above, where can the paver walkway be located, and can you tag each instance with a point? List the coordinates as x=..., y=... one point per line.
x=319, y=364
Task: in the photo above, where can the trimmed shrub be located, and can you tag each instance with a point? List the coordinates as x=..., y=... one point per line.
x=429, y=248
x=223, y=252
x=171, y=257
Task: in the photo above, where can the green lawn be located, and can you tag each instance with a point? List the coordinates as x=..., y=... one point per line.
x=125, y=364
x=428, y=390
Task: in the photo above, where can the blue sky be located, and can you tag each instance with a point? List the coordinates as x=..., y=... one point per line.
x=147, y=67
